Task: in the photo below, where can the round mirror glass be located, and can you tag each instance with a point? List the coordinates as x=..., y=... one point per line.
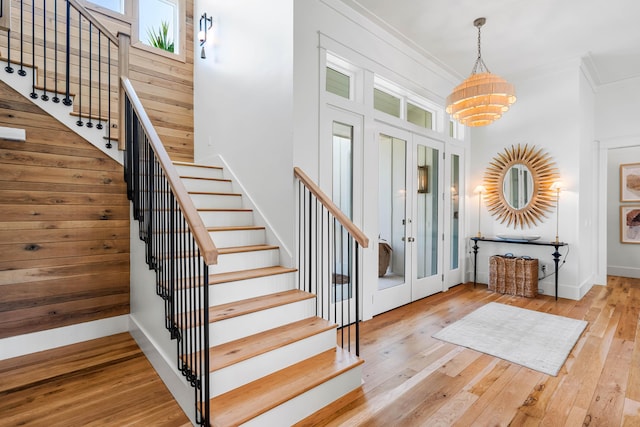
x=517, y=186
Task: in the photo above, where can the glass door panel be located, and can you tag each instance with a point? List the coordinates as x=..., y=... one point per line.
x=454, y=219
x=453, y=207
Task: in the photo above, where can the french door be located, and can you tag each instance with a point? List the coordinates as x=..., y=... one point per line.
x=410, y=218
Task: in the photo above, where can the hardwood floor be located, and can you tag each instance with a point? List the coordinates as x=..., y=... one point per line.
x=104, y=382
x=412, y=379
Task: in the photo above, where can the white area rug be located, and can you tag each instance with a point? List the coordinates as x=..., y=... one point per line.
x=539, y=341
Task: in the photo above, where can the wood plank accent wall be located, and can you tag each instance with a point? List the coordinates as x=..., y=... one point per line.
x=64, y=225
x=164, y=85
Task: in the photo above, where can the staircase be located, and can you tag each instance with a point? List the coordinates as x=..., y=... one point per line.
x=273, y=362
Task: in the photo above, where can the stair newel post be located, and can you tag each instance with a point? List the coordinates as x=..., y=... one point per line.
x=124, y=42
x=67, y=71
x=33, y=93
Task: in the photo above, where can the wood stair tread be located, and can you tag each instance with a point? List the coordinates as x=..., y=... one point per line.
x=214, y=193
x=245, y=348
x=195, y=165
x=52, y=90
x=224, y=210
x=241, y=249
x=204, y=179
x=236, y=228
x=85, y=115
x=234, y=276
x=249, y=401
x=252, y=305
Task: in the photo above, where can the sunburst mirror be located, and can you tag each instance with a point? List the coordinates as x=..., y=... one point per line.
x=518, y=184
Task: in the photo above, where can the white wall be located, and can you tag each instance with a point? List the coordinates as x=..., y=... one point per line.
x=243, y=101
x=548, y=115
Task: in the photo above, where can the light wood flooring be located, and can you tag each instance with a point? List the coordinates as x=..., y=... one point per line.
x=410, y=379
x=104, y=382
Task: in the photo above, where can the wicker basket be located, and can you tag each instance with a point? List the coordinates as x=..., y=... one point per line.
x=513, y=275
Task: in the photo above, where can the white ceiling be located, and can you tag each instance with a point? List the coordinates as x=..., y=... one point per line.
x=520, y=35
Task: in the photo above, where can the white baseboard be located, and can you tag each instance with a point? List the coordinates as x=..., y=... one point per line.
x=633, y=272
x=58, y=337
x=166, y=368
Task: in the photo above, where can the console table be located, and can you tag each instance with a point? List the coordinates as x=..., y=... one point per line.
x=556, y=254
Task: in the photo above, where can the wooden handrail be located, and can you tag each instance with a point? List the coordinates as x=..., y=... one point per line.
x=95, y=22
x=357, y=234
x=207, y=248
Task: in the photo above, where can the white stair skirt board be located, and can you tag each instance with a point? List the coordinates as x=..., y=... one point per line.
x=264, y=364
x=217, y=201
x=226, y=218
x=232, y=238
x=192, y=184
x=62, y=113
x=199, y=172
x=300, y=407
x=224, y=293
x=245, y=261
x=249, y=324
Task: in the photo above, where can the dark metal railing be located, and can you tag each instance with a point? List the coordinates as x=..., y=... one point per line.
x=329, y=256
x=75, y=67
x=178, y=247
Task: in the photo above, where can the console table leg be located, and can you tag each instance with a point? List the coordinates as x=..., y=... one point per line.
x=556, y=261
x=475, y=262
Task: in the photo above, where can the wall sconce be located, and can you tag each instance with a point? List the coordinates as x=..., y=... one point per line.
x=206, y=22
x=557, y=186
x=423, y=179
x=479, y=190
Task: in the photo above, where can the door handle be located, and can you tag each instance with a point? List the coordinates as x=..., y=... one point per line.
x=409, y=239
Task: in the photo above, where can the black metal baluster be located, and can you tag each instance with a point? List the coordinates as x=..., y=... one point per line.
x=99, y=125
x=79, y=122
x=67, y=72
x=90, y=123
x=357, y=292
x=33, y=93
x=21, y=71
x=44, y=96
x=108, y=145
x=55, y=98
x=8, y=68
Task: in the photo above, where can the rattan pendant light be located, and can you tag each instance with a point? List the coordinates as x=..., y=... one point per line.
x=483, y=97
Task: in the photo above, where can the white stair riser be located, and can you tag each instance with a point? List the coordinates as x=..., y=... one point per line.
x=241, y=326
x=257, y=367
x=224, y=293
x=245, y=261
x=207, y=185
x=199, y=172
x=300, y=407
x=226, y=218
x=216, y=201
x=233, y=238
x=238, y=290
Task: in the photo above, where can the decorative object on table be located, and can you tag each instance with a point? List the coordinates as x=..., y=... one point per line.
x=518, y=237
x=557, y=187
x=539, y=341
x=518, y=186
x=482, y=97
x=513, y=275
x=479, y=190
x=630, y=224
x=630, y=182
